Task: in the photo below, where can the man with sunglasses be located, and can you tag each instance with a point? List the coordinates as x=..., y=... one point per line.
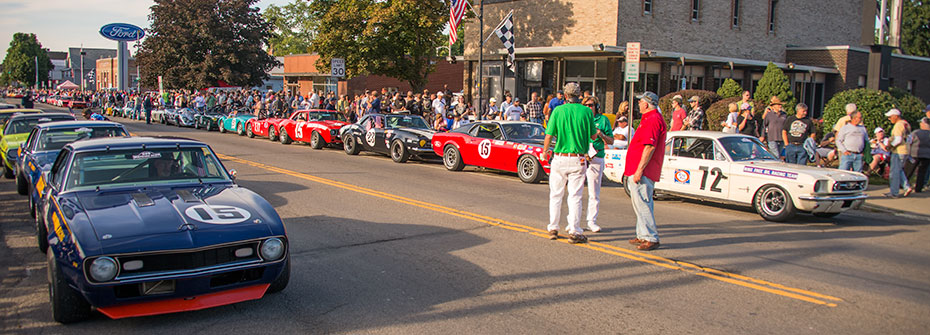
x=595, y=170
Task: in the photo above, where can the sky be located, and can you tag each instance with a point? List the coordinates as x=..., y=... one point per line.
x=60, y=24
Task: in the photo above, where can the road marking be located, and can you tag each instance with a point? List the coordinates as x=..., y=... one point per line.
x=732, y=278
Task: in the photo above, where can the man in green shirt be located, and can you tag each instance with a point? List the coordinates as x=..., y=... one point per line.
x=595, y=170
x=573, y=125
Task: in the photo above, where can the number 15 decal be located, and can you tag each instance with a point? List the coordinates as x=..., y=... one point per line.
x=714, y=172
x=217, y=214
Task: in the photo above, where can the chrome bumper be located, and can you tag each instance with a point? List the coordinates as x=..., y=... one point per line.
x=831, y=204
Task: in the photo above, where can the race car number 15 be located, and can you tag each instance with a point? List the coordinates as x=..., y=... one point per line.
x=484, y=149
x=217, y=214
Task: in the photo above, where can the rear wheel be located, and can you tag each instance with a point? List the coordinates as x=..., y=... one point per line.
x=7, y=172
x=41, y=231
x=626, y=185
x=271, y=134
x=285, y=138
x=452, y=159
x=222, y=128
x=349, y=145
x=248, y=132
x=22, y=186
x=773, y=203
x=316, y=141
x=529, y=169
x=67, y=305
x=280, y=283
x=399, y=152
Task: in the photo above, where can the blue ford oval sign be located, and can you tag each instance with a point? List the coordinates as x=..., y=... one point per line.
x=122, y=32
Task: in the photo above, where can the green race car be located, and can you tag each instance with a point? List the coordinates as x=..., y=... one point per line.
x=6, y=114
x=15, y=132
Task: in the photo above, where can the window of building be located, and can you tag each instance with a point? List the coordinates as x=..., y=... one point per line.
x=772, y=5
x=695, y=10
x=860, y=83
x=721, y=75
x=691, y=77
x=910, y=86
x=647, y=7
x=809, y=89
x=591, y=75
x=736, y=12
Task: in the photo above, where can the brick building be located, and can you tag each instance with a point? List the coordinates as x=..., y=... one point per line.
x=106, y=75
x=694, y=44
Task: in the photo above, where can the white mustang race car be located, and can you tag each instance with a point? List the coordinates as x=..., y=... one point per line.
x=737, y=169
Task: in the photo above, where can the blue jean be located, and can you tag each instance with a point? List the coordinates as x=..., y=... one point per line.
x=851, y=162
x=641, y=193
x=538, y=120
x=896, y=177
x=795, y=154
x=776, y=147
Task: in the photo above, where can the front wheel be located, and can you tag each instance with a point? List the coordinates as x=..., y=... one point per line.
x=22, y=186
x=7, y=171
x=67, y=305
x=284, y=137
x=626, y=185
x=349, y=145
x=222, y=128
x=240, y=130
x=773, y=203
x=529, y=169
x=249, y=132
x=271, y=134
x=316, y=141
x=399, y=152
x=41, y=231
x=280, y=283
x=452, y=158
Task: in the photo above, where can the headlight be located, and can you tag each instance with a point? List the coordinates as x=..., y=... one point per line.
x=272, y=249
x=11, y=154
x=423, y=143
x=820, y=186
x=103, y=269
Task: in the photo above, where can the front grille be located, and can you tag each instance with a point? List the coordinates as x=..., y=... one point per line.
x=183, y=261
x=849, y=186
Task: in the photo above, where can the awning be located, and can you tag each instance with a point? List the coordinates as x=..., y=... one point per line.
x=67, y=85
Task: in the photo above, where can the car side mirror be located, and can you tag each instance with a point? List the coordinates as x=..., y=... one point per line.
x=233, y=173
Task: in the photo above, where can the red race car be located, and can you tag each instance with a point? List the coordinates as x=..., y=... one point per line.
x=264, y=127
x=319, y=127
x=501, y=145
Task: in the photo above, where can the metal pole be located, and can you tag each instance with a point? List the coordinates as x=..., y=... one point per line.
x=82, y=68
x=881, y=19
x=480, y=59
x=629, y=126
x=37, y=72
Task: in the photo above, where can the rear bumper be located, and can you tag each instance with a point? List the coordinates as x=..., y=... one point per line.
x=186, y=303
x=831, y=204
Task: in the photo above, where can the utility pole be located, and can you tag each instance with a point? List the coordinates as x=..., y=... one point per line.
x=82, y=68
x=37, y=72
x=480, y=59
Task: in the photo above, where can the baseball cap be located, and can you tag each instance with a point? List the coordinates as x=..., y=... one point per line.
x=878, y=130
x=439, y=94
x=650, y=97
x=622, y=119
x=677, y=98
x=695, y=99
x=893, y=111
x=493, y=100
x=516, y=99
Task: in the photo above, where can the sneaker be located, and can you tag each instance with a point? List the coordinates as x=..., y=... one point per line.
x=594, y=227
x=646, y=246
x=889, y=195
x=908, y=192
x=577, y=238
x=553, y=234
x=636, y=241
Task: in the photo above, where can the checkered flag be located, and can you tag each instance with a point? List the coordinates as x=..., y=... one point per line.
x=505, y=32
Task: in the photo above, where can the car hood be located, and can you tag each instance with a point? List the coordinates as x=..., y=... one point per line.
x=334, y=124
x=419, y=132
x=812, y=171
x=13, y=140
x=175, y=218
x=538, y=143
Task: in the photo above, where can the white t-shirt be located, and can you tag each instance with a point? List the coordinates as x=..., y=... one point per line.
x=513, y=113
x=439, y=106
x=731, y=125
x=622, y=144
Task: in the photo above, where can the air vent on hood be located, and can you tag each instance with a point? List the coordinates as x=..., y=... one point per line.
x=142, y=200
x=187, y=196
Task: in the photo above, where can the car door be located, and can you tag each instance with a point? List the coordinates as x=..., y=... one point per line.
x=373, y=138
x=297, y=127
x=697, y=168
x=486, y=147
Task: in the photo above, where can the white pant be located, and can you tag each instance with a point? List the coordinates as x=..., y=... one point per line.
x=566, y=171
x=594, y=173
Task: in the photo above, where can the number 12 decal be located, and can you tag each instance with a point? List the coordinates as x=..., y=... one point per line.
x=714, y=172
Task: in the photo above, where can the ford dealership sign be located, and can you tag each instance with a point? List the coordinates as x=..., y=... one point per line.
x=122, y=32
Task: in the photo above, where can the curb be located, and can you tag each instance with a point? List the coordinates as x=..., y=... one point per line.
x=894, y=211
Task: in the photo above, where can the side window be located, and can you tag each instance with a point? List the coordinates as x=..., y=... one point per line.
x=701, y=149
x=31, y=142
x=367, y=123
x=379, y=122
x=490, y=131
x=58, y=169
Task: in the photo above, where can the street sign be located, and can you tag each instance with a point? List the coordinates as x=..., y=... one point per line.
x=632, y=52
x=632, y=72
x=338, y=67
x=632, y=62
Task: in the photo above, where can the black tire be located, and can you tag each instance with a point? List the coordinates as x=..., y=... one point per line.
x=399, y=152
x=249, y=132
x=7, y=172
x=529, y=170
x=626, y=186
x=349, y=145
x=22, y=186
x=316, y=141
x=284, y=137
x=280, y=283
x=773, y=203
x=178, y=121
x=41, y=231
x=222, y=128
x=271, y=134
x=67, y=305
x=240, y=130
x=197, y=125
x=452, y=158
x=825, y=215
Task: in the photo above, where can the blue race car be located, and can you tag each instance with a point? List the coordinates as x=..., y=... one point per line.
x=43, y=145
x=142, y=226
x=235, y=121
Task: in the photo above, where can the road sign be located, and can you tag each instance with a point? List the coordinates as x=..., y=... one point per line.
x=338, y=67
x=632, y=52
x=632, y=62
x=632, y=72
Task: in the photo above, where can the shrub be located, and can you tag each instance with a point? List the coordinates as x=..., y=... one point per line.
x=871, y=103
x=912, y=107
x=729, y=89
x=707, y=98
x=718, y=112
x=774, y=82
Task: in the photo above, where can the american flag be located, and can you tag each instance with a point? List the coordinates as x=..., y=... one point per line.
x=455, y=16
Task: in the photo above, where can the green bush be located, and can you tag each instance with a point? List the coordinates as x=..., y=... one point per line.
x=729, y=89
x=871, y=103
x=774, y=82
x=718, y=112
x=707, y=98
x=912, y=107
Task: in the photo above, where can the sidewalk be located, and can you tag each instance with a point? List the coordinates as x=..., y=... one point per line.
x=915, y=204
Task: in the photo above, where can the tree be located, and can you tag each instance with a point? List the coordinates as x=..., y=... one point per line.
x=19, y=65
x=195, y=44
x=729, y=89
x=394, y=38
x=774, y=82
x=292, y=28
x=915, y=28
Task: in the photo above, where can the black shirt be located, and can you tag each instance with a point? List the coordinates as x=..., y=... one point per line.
x=751, y=127
x=798, y=129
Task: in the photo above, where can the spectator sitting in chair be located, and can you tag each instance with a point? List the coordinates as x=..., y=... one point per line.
x=880, y=153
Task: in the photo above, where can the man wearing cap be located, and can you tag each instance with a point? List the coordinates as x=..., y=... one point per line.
x=573, y=124
x=772, y=124
x=643, y=167
x=439, y=105
x=695, y=120
x=898, y=149
x=678, y=114
x=880, y=146
x=622, y=133
x=851, y=142
x=493, y=111
x=850, y=108
x=514, y=111
x=796, y=129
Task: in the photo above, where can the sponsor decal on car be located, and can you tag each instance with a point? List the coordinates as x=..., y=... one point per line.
x=217, y=214
x=484, y=149
x=609, y=165
x=769, y=172
x=146, y=155
x=370, y=137
x=682, y=176
x=616, y=156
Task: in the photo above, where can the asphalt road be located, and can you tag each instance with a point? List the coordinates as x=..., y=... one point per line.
x=380, y=247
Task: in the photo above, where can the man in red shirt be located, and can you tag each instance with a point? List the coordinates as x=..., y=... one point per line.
x=643, y=168
x=679, y=114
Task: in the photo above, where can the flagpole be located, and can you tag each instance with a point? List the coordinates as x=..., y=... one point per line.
x=480, y=59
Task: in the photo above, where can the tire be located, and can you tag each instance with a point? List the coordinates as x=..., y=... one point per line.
x=626, y=186
x=41, y=231
x=825, y=215
x=529, y=170
x=249, y=133
x=222, y=128
x=197, y=125
x=316, y=141
x=773, y=203
x=349, y=145
x=7, y=172
x=280, y=283
x=399, y=152
x=452, y=158
x=239, y=130
x=178, y=121
x=67, y=305
x=271, y=134
x=22, y=186
x=284, y=137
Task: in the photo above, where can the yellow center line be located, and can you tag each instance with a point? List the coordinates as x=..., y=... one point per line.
x=727, y=277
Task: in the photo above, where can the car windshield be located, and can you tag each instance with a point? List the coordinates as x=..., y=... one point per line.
x=144, y=167
x=6, y=116
x=324, y=116
x=25, y=125
x=55, y=139
x=524, y=131
x=745, y=149
x=406, y=121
